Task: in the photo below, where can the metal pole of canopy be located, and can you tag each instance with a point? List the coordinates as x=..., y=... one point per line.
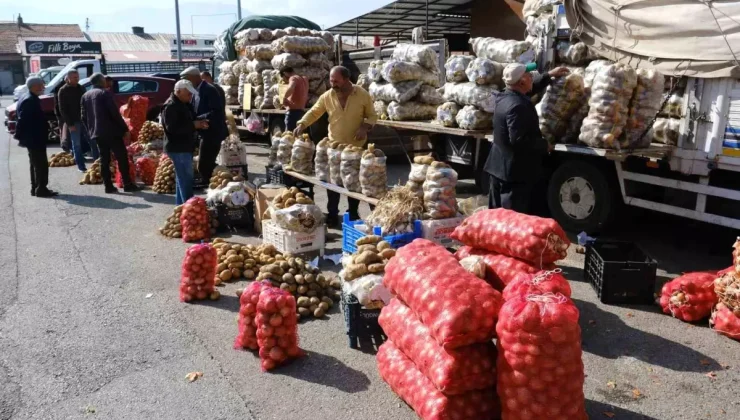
x=427, y=20
x=177, y=24
x=357, y=33
x=239, y=9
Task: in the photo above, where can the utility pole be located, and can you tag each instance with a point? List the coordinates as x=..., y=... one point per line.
x=87, y=24
x=239, y=9
x=177, y=24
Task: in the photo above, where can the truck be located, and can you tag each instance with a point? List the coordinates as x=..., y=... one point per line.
x=45, y=74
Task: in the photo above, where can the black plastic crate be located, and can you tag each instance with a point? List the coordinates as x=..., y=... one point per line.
x=620, y=272
x=361, y=323
x=276, y=175
x=233, y=218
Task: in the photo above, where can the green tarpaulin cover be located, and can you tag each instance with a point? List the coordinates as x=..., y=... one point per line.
x=224, y=45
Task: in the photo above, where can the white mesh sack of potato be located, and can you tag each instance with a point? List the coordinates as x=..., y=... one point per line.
x=561, y=101
x=399, y=92
x=227, y=79
x=381, y=109
x=665, y=130
x=319, y=60
x=674, y=105
x=285, y=149
x=440, y=200
x=328, y=37
x=472, y=118
x=429, y=95
x=268, y=97
x=578, y=54
x=455, y=68
x=258, y=102
x=284, y=60
x=401, y=71
x=502, y=51
x=274, y=146
x=276, y=103
x=447, y=113
x=470, y=93
x=318, y=86
x=363, y=81
x=573, y=130
x=419, y=54
x=321, y=160
x=312, y=73
x=350, y=168
x=301, y=159
x=242, y=83
x=483, y=71
x=411, y=111
x=335, y=162
x=644, y=106
x=592, y=70
x=301, y=44
x=418, y=174
x=373, y=172
x=260, y=52
x=255, y=79
x=611, y=92
x=258, y=66
x=278, y=33
x=299, y=218
x=259, y=90
x=374, y=70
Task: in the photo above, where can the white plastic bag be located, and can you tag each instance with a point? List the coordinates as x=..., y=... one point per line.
x=254, y=123
x=299, y=217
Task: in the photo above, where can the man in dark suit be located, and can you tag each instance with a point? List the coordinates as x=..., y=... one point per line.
x=208, y=106
x=207, y=77
x=32, y=132
x=107, y=128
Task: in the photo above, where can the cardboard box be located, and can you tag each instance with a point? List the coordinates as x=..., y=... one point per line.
x=265, y=194
x=438, y=231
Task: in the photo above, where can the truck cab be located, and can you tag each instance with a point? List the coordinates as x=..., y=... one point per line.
x=46, y=75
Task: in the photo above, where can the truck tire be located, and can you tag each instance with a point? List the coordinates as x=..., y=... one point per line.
x=579, y=197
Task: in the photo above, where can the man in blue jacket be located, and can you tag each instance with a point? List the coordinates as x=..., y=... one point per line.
x=208, y=106
x=32, y=132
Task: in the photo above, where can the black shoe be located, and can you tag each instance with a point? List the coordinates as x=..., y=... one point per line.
x=131, y=188
x=46, y=193
x=33, y=193
x=110, y=189
x=332, y=220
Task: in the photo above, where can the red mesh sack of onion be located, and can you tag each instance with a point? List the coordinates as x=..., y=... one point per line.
x=501, y=269
x=419, y=392
x=690, y=297
x=194, y=220
x=131, y=173
x=198, y=273
x=726, y=321
x=246, y=338
x=525, y=284
x=277, y=328
x=146, y=169
x=458, y=307
x=452, y=372
x=539, y=367
x=530, y=238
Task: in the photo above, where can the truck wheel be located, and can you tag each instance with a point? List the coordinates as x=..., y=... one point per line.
x=579, y=197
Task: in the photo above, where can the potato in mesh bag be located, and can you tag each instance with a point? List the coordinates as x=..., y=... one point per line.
x=447, y=114
x=414, y=53
x=578, y=54
x=399, y=92
x=276, y=102
x=673, y=106
x=260, y=52
x=259, y=102
x=258, y=66
x=321, y=161
x=418, y=174
x=576, y=121
x=429, y=95
x=401, y=71
x=335, y=162
x=561, y=101
x=227, y=79
x=284, y=60
x=312, y=73
x=472, y=118
x=455, y=68
x=301, y=44
x=373, y=172
x=645, y=104
x=411, y=111
x=440, y=200
x=374, y=70
x=299, y=217
x=485, y=72
x=350, y=168
x=272, y=159
x=301, y=159
x=666, y=131
x=470, y=93
x=319, y=59
x=285, y=149
x=502, y=51
x=255, y=79
x=363, y=81
x=381, y=109
x=259, y=90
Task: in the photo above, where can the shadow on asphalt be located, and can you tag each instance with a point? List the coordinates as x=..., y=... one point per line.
x=607, y=335
x=92, y=201
x=329, y=371
x=226, y=302
x=152, y=197
x=599, y=410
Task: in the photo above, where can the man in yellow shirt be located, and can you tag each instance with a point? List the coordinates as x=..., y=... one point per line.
x=351, y=116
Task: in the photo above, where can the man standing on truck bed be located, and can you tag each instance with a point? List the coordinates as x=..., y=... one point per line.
x=70, y=98
x=296, y=97
x=351, y=116
x=208, y=106
x=514, y=163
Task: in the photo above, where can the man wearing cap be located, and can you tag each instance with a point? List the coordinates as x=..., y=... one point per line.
x=208, y=106
x=179, y=137
x=514, y=163
x=32, y=132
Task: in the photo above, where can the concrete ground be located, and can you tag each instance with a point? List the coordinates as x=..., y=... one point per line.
x=91, y=325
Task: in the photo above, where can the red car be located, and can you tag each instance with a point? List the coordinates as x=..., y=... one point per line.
x=157, y=89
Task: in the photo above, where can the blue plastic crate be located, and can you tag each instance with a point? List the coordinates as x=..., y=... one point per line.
x=350, y=235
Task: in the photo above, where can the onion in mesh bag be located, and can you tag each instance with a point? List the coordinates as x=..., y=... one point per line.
x=455, y=68
x=381, y=109
x=373, y=172
x=198, y=273
x=470, y=93
x=350, y=168
x=301, y=44
x=561, y=101
x=502, y=51
x=472, y=118
x=429, y=95
x=321, y=161
x=247, y=336
x=690, y=297
x=545, y=281
x=399, y=92
x=302, y=155
x=419, y=54
x=402, y=71
x=645, y=104
x=501, y=269
x=440, y=201
x=410, y=111
x=447, y=114
x=485, y=72
x=335, y=162
x=726, y=321
x=666, y=131
x=284, y=60
x=374, y=70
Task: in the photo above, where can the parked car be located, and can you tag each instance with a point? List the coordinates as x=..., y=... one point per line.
x=174, y=75
x=157, y=89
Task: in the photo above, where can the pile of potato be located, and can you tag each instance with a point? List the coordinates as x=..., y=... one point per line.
x=314, y=293
x=150, y=131
x=286, y=199
x=222, y=176
x=62, y=159
x=237, y=261
x=164, y=179
x=93, y=175
x=370, y=258
x=172, y=227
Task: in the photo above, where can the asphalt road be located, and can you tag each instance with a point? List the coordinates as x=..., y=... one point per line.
x=80, y=339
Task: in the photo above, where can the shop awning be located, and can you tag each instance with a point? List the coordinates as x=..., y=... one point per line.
x=400, y=17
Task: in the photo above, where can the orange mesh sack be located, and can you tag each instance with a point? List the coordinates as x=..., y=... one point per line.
x=131, y=172
x=540, y=283
x=690, y=297
x=458, y=307
x=194, y=220
x=146, y=169
x=198, y=273
x=277, y=328
x=452, y=372
x=246, y=338
x=501, y=269
x=725, y=321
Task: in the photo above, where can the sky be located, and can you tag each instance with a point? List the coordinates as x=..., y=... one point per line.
x=120, y=16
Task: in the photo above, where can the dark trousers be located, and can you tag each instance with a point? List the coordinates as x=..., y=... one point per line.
x=332, y=205
x=207, y=158
x=292, y=117
x=39, y=168
x=116, y=146
x=508, y=195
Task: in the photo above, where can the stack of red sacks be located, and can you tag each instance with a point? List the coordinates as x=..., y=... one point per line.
x=439, y=356
x=134, y=114
x=131, y=172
